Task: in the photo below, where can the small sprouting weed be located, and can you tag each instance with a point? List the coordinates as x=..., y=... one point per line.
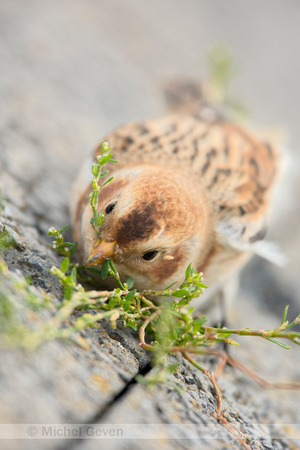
x=66, y=249
x=172, y=325
x=222, y=70
x=97, y=167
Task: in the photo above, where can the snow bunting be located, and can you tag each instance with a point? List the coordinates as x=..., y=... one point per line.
x=184, y=190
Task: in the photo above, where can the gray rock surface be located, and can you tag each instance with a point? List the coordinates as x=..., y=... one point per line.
x=71, y=70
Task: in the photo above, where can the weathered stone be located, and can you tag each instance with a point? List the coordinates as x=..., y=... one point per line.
x=64, y=83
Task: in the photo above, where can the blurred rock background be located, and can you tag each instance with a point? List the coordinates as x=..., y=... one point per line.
x=72, y=70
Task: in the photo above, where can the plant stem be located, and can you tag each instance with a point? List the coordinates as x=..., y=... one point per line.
x=247, y=332
x=142, y=330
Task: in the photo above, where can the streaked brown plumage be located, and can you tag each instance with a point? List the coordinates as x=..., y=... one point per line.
x=194, y=191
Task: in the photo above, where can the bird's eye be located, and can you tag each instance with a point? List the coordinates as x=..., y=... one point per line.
x=110, y=207
x=150, y=255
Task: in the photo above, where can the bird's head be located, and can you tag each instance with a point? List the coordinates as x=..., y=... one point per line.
x=154, y=227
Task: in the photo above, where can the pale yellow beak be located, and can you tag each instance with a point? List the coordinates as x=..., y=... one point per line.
x=102, y=250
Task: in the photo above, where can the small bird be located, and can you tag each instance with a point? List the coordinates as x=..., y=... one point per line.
x=185, y=190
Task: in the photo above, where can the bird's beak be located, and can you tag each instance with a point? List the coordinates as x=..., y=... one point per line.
x=102, y=250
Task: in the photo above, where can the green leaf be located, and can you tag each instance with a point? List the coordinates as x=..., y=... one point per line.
x=94, y=269
x=73, y=275
x=94, y=169
x=168, y=287
x=172, y=367
x=281, y=344
x=63, y=229
x=130, y=295
x=104, y=174
x=65, y=265
x=188, y=271
x=28, y=280
x=112, y=266
x=130, y=282
x=180, y=293
x=106, y=182
x=197, y=323
x=182, y=302
x=112, y=302
x=100, y=217
x=73, y=248
x=284, y=314
x=106, y=159
x=68, y=292
x=173, y=312
x=201, y=285
x=96, y=222
x=132, y=324
x=179, y=330
x=193, y=288
x=104, y=269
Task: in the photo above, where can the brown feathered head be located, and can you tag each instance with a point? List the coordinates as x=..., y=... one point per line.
x=154, y=227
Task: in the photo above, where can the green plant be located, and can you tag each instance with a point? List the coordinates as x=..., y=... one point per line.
x=171, y=324
x=222, y=70
x=97, y=167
